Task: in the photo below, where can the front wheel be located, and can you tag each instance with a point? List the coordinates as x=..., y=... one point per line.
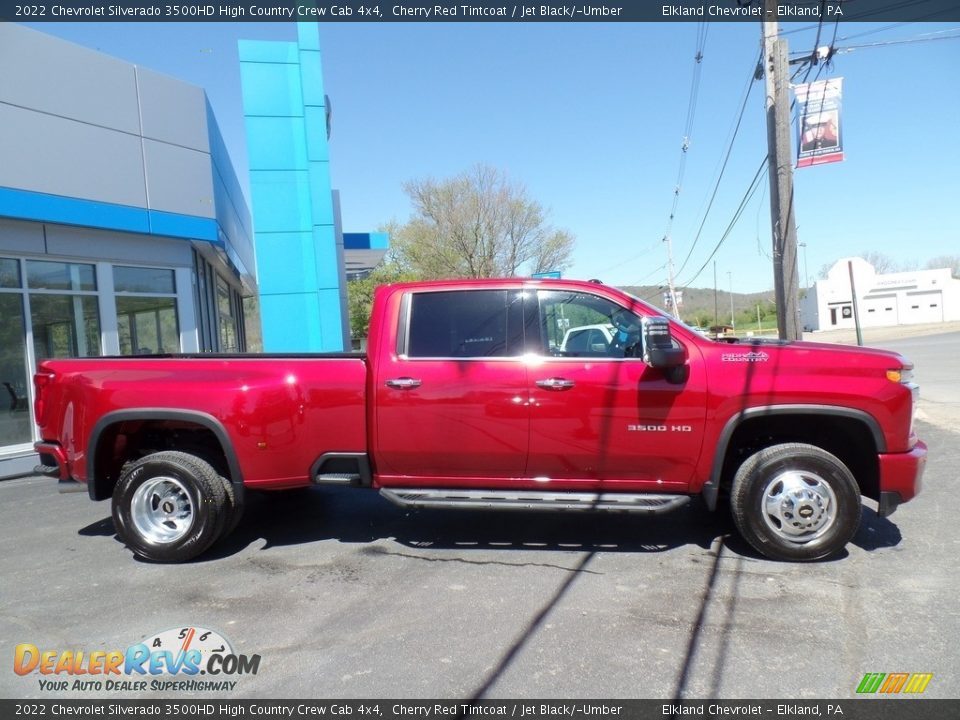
x=795, y=502
x=170, y=506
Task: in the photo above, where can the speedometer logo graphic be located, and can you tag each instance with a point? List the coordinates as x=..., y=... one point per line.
x=180, y=641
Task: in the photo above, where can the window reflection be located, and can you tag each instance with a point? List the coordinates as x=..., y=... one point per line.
x=15, y=420
x=46, y=275
x=147, y=325
x=65, y=326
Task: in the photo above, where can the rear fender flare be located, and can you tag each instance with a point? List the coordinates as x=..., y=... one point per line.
x=96, y=487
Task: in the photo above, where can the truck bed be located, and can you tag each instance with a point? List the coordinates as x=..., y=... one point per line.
x=280, y=412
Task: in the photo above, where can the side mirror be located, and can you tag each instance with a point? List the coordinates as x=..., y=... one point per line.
x=660, y=351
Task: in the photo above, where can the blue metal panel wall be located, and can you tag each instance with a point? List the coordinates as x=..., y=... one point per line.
x=297, y=268
x=366, y=241
x=230, y=206
x=93, y=141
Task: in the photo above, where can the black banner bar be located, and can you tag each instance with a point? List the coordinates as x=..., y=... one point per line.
x=788, y=11
x=898, y=708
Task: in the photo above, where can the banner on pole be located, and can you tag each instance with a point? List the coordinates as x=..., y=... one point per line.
x=821, y=140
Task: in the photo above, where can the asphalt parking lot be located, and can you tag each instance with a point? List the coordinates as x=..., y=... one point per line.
x=345, y=596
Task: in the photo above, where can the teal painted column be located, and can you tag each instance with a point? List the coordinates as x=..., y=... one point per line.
x=293, y=217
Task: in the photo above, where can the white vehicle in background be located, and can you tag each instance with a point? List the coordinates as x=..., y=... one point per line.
x=588, y=340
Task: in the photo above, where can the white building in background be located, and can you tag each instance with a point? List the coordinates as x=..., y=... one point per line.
x=903, y=298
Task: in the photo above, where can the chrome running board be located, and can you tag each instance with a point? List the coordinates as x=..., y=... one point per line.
x=648, y=503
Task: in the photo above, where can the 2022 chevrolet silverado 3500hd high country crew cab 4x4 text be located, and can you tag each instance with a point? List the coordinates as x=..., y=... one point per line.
x=473, y=395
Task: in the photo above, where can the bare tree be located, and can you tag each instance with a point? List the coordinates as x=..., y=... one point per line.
x=477, y=224
x=946, y=261
x=882, y=263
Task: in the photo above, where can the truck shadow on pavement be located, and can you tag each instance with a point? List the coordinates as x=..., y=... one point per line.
x=350, y=516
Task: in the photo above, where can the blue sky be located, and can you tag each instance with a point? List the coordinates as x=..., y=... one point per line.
x=589, y=117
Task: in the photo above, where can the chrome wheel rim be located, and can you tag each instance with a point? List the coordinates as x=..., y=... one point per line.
x=799, y=506
x=162, y=510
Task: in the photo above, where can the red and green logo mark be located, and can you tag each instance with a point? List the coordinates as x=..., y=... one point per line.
x=892, y=683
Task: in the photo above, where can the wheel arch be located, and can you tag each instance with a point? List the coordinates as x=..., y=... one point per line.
x=801, y=423
x=100, y=484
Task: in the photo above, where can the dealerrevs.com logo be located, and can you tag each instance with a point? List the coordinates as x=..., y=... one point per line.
x=894, y=683
x=170, y=661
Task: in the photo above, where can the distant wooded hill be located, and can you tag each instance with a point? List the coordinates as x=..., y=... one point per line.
x=698, y=304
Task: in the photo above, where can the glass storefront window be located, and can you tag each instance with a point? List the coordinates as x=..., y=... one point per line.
x=228, y=320
x=65, y=325
x=146, y=322
x=46, y=275
x=15, y=418
x=143, y=280
x=147, y=325
x=9, y=273
x=57, y=305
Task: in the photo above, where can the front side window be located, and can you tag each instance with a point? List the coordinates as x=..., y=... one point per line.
x=576, y=324
x=466, y=324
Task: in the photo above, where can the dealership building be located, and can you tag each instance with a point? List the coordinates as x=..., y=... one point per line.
x=882, y=299
x=123, y=228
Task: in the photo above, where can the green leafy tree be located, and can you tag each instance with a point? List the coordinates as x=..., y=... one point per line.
x=360, y=294
x=478, y=224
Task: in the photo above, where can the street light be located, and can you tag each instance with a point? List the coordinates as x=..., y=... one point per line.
x=806, y=275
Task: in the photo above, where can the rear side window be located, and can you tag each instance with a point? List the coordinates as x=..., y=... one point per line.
x=466, y=324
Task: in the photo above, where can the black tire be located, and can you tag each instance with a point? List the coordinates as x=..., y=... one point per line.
x=795, y=502
x=234, y=511
x=170, y=506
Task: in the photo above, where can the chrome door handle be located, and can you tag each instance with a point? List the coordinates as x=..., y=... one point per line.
x=404, y=383
x=555, y=383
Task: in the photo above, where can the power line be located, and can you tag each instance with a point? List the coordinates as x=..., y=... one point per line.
x=875, y=31
x=631, y=258
x=747, y=196
x=702, y=30
x=816, y=42
x=652, y=272
x=908, y=41
x=896, y=6
x=716, y=187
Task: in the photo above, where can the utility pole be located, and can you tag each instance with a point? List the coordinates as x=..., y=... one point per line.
x=733, y=322
x=715, y=314
x=673, y=291
x=782, y=219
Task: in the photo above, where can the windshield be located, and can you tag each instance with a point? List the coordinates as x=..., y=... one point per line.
x=692, y=328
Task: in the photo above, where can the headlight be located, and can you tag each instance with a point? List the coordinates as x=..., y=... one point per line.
x=904, y=376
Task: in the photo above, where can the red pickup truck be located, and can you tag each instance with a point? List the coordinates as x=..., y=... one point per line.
x=495, y=394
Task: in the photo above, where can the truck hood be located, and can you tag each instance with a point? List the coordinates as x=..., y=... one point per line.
x=841, y=353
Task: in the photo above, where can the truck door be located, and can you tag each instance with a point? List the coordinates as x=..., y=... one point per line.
x=451, y=401
x=600, y=417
